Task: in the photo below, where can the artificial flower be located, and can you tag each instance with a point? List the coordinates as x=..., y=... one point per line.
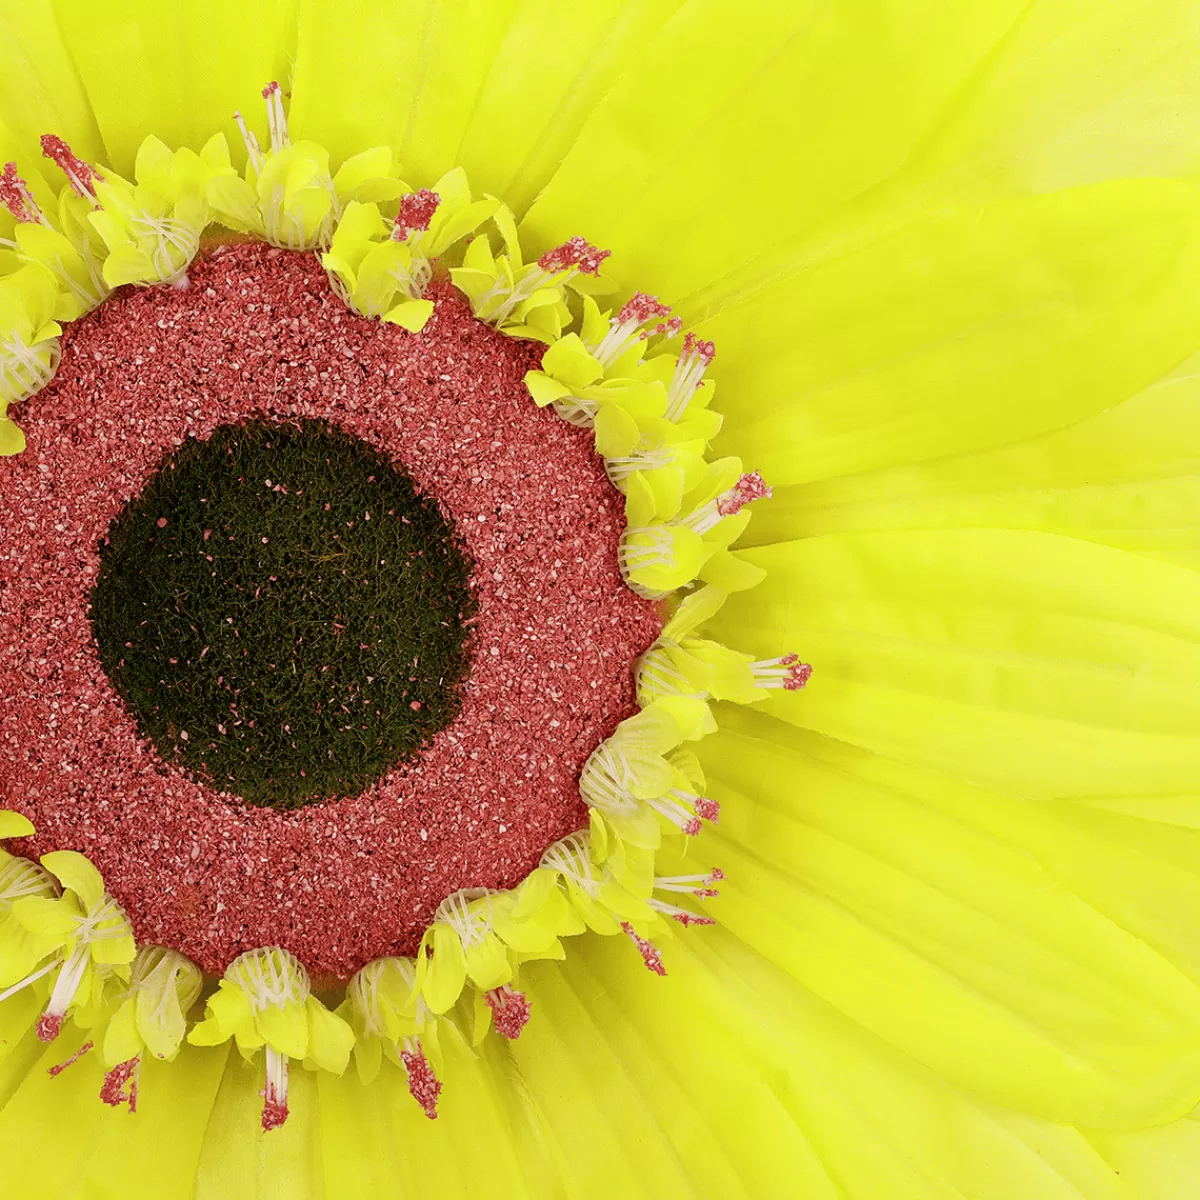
x=949, y=260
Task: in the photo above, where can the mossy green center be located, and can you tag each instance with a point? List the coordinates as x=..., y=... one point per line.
x=283, y=613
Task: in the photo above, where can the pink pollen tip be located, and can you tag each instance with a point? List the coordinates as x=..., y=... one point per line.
x=798, y=675
x=650, y=953
x=693, y=827
x=274, y=1114
x=14, y=194
x=750, y=487
x=717, y=874
x=112, y=1092
x=54, y=1072
x=422, y=1082
x=574, y=252
x=641, y=308
x=693, y=345
x=82, y=177
x=270, y=89
x=687, y=919
x=708, y=810
x=49, y=1026
x=510, y=1011
x=416, y=211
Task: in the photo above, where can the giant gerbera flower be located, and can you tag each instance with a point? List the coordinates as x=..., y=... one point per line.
x=947, y=258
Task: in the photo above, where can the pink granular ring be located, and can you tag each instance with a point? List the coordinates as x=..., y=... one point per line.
x=259, y=332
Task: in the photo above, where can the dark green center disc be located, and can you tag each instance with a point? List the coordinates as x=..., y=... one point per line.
x=283, y=613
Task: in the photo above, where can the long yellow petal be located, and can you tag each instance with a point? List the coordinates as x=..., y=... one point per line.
x=176, y=70
x=1041, y=666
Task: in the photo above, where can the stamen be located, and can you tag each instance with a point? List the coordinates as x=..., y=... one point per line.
x=696, y=358
x=510, y=1010
x=708, y=516
x=416, y=211
x=640, y=308
x=574, y=254
x=627, y=326
x=651, y=955
x=750, y=487
x=79, y=175
x=700, y=886
x=252, y=147
x=787, y=672
x=49, y=1026
x=17, y=198
x=112, y=1092
x=686, y=810
x=422, y=1082
x=54, y=1072
x=276, y=120
x=275, y=1105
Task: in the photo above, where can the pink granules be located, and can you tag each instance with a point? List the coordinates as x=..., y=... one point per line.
x=260, y=332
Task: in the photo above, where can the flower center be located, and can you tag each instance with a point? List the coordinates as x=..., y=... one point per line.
x=157, y=375
x=283, y=613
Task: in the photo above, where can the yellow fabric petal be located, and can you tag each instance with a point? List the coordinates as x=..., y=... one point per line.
x=752, y=1087
x=239, y=1160
x=41, y=92
x=402, y=73
x=475, y=1147
x=101, y=1153
x=1039, y=665
x=679, y=168
x=1127, y=477
x=940, y=916
x=1154, y=1164
x=963, y=331
x=176, y=70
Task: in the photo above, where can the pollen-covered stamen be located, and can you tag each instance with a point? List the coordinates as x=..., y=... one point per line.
x=510, y=1010
x=123, y=1075
x=651, y=955
x=686, y=810
x=629, y=325
x=787, y=672
x=253, y=149
x=80, y=175
x=575, y=254
x=275, y=1094
x=17, y=198
x=695, y=359
x=749, y=487
x=106, y=920
x=422, y=1082
x=272, y=978
x=700, y=886
x=59, y=1068
x=276, y=119
x=417, y=209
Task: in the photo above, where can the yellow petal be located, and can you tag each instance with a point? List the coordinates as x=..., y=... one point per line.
x=963, y=331
x=1039, y=665
x=178, y=71
x=936, y=914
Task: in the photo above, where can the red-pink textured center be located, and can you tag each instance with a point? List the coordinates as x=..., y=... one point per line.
x=259, y=332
